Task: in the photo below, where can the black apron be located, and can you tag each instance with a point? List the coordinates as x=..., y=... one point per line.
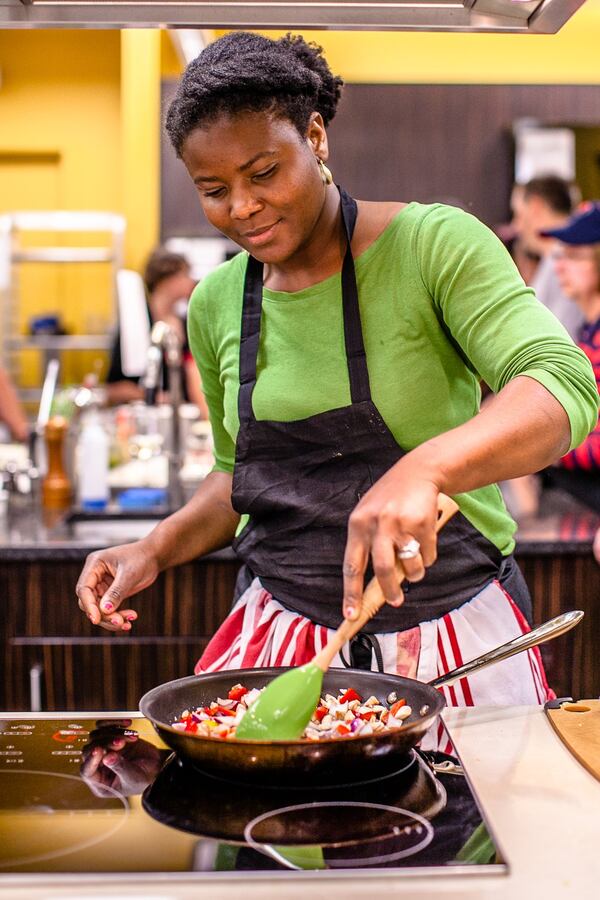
x=299, y=481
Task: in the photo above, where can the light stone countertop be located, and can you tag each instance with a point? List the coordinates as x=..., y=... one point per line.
x=543, y=807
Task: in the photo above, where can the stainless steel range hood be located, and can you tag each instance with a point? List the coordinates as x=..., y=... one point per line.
x=511, y=16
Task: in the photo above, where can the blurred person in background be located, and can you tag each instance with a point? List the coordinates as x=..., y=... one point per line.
x=543, y=204
x=577, y=265
x=168, y=285
x=11, y=411
x=525, y=261
x=540, y=205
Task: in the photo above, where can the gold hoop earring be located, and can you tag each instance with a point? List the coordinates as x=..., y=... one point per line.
x=326, y=175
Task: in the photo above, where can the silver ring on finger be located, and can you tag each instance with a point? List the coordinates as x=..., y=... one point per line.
x=410, y=550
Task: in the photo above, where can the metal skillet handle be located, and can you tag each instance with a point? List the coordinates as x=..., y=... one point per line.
x=539, y=635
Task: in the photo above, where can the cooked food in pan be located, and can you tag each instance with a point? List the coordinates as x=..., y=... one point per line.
x=346, y=715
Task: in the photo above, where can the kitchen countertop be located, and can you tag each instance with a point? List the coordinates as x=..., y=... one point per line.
x=562, y=527
x=31, y=534
x=543, y=807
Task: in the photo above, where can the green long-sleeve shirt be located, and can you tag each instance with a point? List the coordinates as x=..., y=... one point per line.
x=442, y=307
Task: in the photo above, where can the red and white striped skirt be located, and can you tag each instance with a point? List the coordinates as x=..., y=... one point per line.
x=260, y=632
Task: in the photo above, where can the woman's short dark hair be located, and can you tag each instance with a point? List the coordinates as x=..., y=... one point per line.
x=245, y=72
x=163, y=264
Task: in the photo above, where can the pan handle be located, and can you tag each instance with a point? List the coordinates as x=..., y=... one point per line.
x=539, y=635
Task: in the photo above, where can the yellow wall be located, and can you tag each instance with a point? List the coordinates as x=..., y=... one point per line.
x=140, y=141
x=79, y=129
x=170, y=59
x=60, y=96
x=60, y=91
x=569, y=57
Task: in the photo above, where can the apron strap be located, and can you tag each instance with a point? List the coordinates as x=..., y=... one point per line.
x=250, y=337
x=356, y=357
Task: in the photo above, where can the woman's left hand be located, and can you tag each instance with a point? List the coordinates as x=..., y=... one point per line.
x=399, y=508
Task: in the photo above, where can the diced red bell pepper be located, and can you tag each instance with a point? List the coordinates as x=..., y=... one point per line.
x=222, y=711
x=367, y=715
x=237, y=692
x=350, y=695
x=191, y=725
x=397, y=706
x=320, y=713
x=342, y=729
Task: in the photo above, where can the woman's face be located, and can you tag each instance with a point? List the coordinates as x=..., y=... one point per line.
x=577, y=270
x=258, y=181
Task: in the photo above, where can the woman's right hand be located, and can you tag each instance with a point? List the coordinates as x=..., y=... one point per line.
x=117, y=760
x=108, y=578
x=206, y=522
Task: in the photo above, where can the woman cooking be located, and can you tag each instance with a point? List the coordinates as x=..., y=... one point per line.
x=341, y=355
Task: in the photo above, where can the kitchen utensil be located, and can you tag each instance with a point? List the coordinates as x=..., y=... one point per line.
x=334, y=761
x=37, y=453
x=284, y=709
x=578, y=726
x=134, y=323
x=56, y=487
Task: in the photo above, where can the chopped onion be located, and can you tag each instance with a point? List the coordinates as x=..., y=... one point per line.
x=250, y=697
x=355, y=717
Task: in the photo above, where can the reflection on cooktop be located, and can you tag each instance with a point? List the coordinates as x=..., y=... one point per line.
x=183, y=798
x=40, y=796
x=90, y=796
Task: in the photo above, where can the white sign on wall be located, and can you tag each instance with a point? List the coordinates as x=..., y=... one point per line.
x=544, y=151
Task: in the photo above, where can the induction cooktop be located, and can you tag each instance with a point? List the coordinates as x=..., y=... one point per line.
x=87, y=795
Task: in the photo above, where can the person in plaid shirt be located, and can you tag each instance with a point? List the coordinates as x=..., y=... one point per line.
x=577, y=264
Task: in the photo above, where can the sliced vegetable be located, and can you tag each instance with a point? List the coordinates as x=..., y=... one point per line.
x=320, y=713
x=349, y=695
x=237, y=692
x=397, y=705
x=222, y=711
x=346, y=715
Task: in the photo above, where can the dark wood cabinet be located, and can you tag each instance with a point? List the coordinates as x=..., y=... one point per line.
x=559, y=582
x=50, y=652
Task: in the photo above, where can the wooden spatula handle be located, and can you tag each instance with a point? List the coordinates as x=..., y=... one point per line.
x=373, y=598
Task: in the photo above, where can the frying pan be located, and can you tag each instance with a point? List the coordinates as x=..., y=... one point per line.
x=327, y=762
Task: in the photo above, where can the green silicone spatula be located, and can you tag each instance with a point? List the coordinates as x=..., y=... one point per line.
x=284, y=708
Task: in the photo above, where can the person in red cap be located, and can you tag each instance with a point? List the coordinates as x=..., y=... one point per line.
x=577, y=265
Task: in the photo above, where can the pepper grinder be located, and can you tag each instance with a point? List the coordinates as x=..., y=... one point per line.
x=56, y=487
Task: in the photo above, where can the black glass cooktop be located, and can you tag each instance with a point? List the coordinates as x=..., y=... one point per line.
x=83, y=796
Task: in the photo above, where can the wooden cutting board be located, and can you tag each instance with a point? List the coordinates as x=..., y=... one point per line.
x=578, y=726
